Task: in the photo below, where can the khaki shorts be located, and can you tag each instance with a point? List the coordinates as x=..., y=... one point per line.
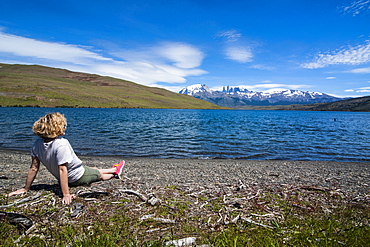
x=90, y=175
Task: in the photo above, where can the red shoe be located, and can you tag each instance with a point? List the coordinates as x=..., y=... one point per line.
x=119, y=168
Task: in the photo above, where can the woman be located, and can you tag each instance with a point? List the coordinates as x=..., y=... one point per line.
x=58, y=156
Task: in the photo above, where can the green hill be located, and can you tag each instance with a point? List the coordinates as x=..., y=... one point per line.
x=361, y=104
x=33, y=85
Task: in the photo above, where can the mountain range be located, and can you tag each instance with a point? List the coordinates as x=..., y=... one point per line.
x=236, y=97
x=39, y=86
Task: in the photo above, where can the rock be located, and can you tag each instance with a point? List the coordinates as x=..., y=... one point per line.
x=182, y=242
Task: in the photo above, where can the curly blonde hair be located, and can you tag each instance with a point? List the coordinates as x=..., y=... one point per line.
x=50, y=126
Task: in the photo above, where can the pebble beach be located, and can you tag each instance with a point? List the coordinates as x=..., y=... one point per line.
x=173, y=201
x=349, y=177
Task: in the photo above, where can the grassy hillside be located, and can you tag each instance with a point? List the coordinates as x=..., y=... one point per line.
x=361, y=104
x=32, y=85
x=357, y=104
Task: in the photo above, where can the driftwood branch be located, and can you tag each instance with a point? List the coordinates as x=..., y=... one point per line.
x=162, y=220
x=256, y=195
x=309, y=187
x=151, y=199
x=30, y=198
x=256, y=223
x=135, y=193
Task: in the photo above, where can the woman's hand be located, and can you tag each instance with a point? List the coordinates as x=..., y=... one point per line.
x=67, y=199
x=34, y=168
x=18, y=192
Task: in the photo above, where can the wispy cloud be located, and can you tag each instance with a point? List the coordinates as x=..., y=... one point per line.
x=359, y=90
x=271, y=87
x=349, y=55
x=146, y=73
x=235, y=48
x=169, y=62
x=183, y=55
x=261, y=67
x=230, y=35
x=360, y=71
x=26, y=47
x=363, y=90
x=356, y=7
x=241, y=54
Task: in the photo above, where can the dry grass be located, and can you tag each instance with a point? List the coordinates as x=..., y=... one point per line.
x=31, y=85
x=215, y=215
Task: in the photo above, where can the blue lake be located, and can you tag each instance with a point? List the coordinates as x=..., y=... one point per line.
x=203, y=134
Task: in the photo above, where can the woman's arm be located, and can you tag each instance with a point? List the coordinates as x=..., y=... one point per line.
x=67, y=197
x=32, y=172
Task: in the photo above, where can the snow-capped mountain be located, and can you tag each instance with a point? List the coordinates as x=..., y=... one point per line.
x=241, y=96
x=196, y=88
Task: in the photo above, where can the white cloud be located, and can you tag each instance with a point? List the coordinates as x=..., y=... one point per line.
x=261, y=67
x=277, y=87
x=360, y=71
x=171, y=88
x=147, y=73
x=235, y=48
x=357, y=7
x=230, y=35
x=241, y=54
x=350, y=56
x=269, y=87
x=330, y=78
x=26, y=47
x=169, y=62
x=365, y=88
x=359, y=90
x=183, y=55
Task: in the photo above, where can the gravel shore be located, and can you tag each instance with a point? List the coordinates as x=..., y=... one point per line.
x=173, y=199
x=348, y=177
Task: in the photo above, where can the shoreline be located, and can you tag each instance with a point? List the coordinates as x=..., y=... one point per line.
x=12, y=150
x=145, y=173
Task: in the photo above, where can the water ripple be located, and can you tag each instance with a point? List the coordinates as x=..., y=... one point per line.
x=203, y=134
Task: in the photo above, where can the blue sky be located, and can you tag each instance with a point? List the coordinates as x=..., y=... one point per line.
x=264, y=45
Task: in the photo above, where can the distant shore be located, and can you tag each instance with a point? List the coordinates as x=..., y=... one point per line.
x=349, y=177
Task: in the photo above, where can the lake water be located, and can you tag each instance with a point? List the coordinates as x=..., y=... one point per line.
x=203, y=134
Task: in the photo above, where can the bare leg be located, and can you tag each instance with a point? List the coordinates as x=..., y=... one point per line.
x=107, y=171
x=106, y=174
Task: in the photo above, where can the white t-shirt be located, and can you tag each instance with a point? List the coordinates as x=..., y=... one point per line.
x=58, y=152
